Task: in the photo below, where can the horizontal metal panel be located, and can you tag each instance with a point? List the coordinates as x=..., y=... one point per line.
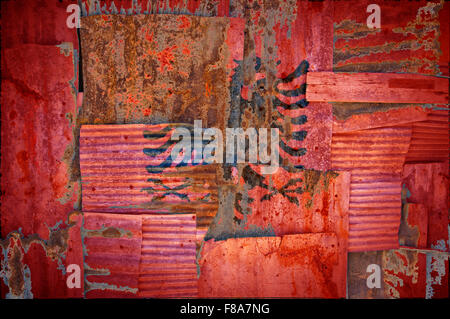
x=430, y=140
x=411, y=38
x=375, y=158
x=129, y=169
x=168, y=257
x=376, y=88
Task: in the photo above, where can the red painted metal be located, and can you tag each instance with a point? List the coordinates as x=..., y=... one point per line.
x=350, y=117
x=115, y=179
x=376, y=88
x=38, y=192
x=375, y=158
x=197, y=7
x=296, y=266
x=427, y=184
x=168, y=266
x=112, y=254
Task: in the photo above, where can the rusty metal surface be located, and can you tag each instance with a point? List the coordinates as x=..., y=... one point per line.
x=415, y=43
x=180, y=73
x=427, y=184
x=263, y=87
x=376, y=88
x=290, y=266
x=211, y=8
x=375, y=158
x=112, y=253
x=36, y=22
x=38, y=192
x=168, y=267
x=349, y=117
x=430, y=140
x=129, y=169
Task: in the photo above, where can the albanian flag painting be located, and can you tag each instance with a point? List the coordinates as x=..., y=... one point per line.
x=224, y=149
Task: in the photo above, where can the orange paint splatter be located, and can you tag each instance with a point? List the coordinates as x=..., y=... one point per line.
x=166, y=58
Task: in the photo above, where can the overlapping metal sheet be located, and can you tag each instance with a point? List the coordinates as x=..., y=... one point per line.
x=375, y=158
x=112, y=253
x=129, y=169
x=376, y=88
x=168, y=266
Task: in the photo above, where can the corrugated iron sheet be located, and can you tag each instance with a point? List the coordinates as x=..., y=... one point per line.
x=168, y=266
x=375, y=158
x=291, y=266
x=427, y=184
x=129, y=169
x=430, y=140
x=112, y=254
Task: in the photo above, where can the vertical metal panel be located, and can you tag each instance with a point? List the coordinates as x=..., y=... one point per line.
x=430, y=139
x=36, y=22
x=119, y=177
x=375, y=158
x=112, y=254
x=168, y=266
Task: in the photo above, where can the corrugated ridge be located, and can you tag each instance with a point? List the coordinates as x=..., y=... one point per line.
x=168, y=257
x=115, y=178
x=375, y=158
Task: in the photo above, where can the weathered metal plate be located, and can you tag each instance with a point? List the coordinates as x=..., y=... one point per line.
x=375, y=88
x=180, y=73
x=38, y=194
x=430, y=140
x=375, y=158
x=129, y=169
x=168, y=267
x=427, y=184
x=35, y=267
x=112, y=253
x=281, y=45
x=348, y=117
x=413, y=38
x=290, y=266
x=414, y=225
x=210, y=8
x=415, y=274
x=36, y=22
